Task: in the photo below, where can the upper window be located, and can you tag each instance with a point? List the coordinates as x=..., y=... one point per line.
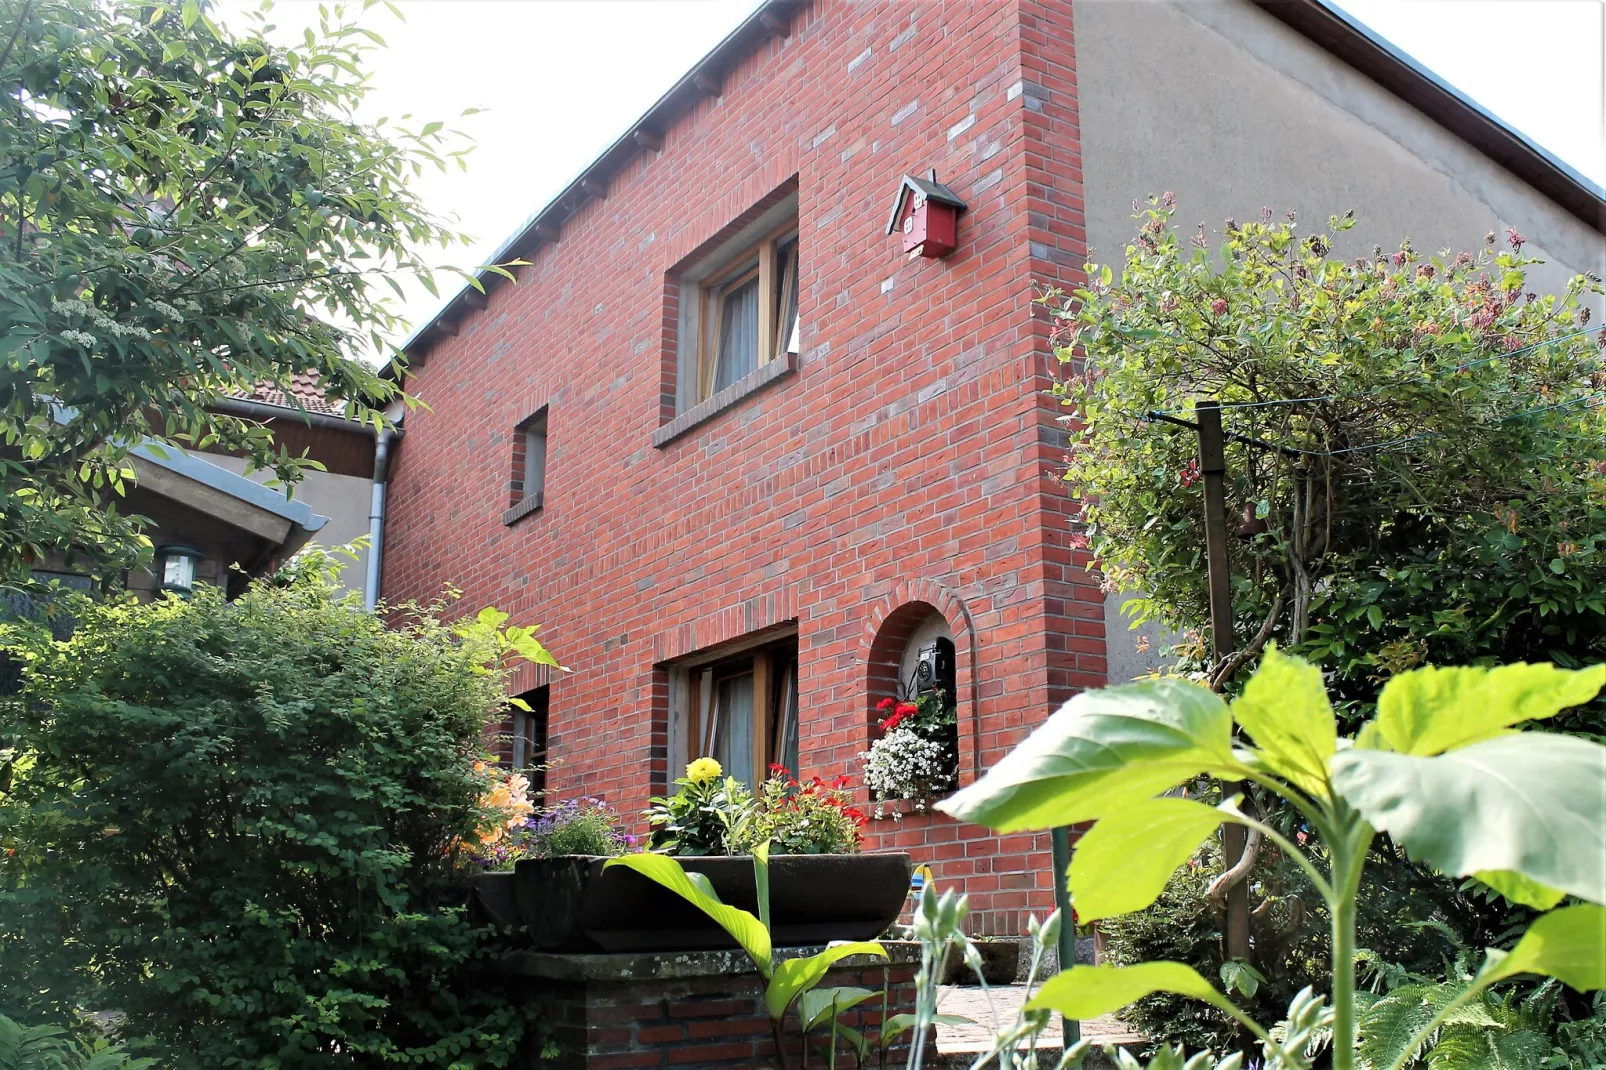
x=749, y=314
x=738, y=308
x=527, y=488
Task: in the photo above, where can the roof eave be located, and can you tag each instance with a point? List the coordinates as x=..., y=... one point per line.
x=1336, y=30
x=770, y=18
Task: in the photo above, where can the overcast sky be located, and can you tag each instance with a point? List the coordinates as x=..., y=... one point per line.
x=561, y=79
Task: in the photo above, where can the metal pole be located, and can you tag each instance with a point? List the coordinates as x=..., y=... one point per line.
x=1213, y=467
x=1061, y=838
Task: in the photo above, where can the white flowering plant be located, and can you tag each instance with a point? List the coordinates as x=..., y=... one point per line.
x=917, y=756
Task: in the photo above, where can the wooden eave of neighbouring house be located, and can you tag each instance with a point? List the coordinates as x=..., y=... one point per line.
x=1323, y=23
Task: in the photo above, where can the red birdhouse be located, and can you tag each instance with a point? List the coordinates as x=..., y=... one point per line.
x=927, y=214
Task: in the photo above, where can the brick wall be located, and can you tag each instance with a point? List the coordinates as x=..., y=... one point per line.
x=692, y=1022
x=910, y=458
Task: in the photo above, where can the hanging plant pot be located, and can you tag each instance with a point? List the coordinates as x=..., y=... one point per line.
x=573, y=904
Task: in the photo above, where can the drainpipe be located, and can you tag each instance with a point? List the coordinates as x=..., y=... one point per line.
x=376, y=515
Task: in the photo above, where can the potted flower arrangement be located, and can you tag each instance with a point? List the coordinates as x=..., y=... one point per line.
x=917, y=756
x=821, y=888
x=515, y=829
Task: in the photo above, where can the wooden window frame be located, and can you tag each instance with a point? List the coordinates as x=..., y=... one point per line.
x=774, y=668
x=761, y=260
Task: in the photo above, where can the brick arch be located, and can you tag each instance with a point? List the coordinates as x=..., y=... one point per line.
x=890, y=622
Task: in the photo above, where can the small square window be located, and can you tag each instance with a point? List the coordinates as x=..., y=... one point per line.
x=527, y=488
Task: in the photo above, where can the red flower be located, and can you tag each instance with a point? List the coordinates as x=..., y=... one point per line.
x=778, y=769
x=907, y=709
x=886, y=704
x=892, y=722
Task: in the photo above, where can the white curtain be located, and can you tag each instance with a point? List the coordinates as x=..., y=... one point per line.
x=738, y=335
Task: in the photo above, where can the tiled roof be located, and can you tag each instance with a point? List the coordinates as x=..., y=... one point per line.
x=304, y=392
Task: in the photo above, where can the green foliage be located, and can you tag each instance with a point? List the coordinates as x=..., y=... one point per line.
x=48, y=1047
x=786, y=981
x=1363, y=785
x=183, y=213
x=815, y=817
x=1183, y=925
x=1448, y=506
x=241, y=825
x=702, y=818
x=577, y=827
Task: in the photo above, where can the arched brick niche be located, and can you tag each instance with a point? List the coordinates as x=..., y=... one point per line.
x=896, y=619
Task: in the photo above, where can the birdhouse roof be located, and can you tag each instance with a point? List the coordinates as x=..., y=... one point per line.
x=929, y=188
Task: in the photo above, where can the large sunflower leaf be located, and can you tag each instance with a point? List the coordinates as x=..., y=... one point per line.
x=1083, y=992
x=1123, y=863
x=1100, y=751
x=1568, y=944
x=1284, y=707
x=1530, y=803
x=1431, y=710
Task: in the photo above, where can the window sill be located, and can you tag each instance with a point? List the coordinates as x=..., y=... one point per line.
x=529, y=505
x=703, y=411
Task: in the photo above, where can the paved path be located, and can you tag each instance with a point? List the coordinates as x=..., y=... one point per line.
x=970, y=1002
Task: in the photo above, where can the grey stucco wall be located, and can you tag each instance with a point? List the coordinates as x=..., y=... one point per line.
x=343, y=499
x=1231, y=110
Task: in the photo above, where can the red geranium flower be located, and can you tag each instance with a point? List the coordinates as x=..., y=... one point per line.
x=907, y=709
x=886, y=704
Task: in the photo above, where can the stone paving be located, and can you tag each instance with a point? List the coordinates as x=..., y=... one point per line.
x=970, y=1002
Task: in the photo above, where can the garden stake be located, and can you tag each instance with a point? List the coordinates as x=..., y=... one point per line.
x=1213, y=467
x=1070, y=1028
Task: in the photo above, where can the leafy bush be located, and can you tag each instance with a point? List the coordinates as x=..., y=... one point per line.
x=815, y=817
x=1445, y=502
x=242, y=825
x=49, y=1047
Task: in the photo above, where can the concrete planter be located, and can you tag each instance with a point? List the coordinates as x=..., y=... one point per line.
x=491, y=899
x=571, y=904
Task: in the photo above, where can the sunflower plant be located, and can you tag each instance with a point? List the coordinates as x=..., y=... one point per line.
x=1439, y=769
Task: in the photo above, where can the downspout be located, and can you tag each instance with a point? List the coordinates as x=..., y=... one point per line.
x=383, y=441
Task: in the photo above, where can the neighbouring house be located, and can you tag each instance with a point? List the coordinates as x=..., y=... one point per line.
x=742, y=454
x=306, y=421
x=213, y=520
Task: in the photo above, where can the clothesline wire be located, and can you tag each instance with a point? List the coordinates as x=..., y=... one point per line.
x=1373, y=393
x=1166, y=416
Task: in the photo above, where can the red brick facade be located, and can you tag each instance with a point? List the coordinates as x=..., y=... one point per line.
x=909, y=459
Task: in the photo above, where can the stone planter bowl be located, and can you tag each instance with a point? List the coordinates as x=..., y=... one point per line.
x=571, y=904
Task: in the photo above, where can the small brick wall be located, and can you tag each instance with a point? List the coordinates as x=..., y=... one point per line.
x=699, y=1009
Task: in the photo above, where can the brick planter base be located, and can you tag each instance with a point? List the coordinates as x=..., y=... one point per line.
x=691, y=1009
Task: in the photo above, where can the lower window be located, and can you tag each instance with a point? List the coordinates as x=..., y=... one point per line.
x=740, y=710
x=527, y=751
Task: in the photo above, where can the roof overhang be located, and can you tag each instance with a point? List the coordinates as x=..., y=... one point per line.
x=1324, y=23
x=241, y=503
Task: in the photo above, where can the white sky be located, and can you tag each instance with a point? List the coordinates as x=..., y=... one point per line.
x=561, y=79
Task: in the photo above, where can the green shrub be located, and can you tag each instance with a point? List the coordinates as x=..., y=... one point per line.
x=49, y=1047
x=240, y=825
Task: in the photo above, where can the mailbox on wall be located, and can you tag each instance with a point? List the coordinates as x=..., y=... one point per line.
x=926, y=213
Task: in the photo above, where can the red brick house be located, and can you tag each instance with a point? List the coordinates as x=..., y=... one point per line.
x=734, y=449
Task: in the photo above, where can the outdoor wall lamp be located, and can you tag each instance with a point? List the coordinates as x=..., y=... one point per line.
x=176, y=565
